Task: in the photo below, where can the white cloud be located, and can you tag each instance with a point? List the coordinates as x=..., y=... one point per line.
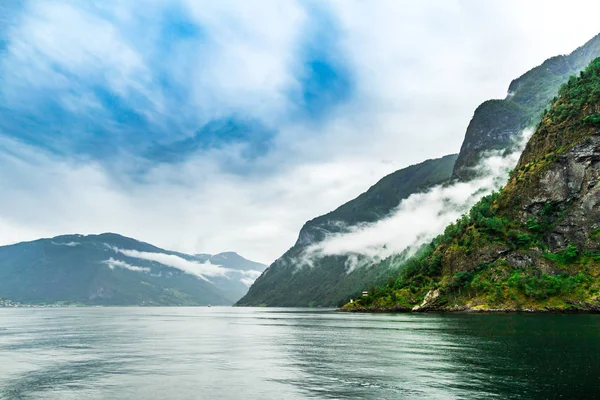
x=246, y=62
x=211, y=212
x=420, y=69
x=56, y=36
x=247, y=281
x=112, y=263
x=419, y=218
x=69, y=244
x=201, y=270
x=251, y=274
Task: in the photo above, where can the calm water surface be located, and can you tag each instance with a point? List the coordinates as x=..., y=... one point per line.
x=238, y=353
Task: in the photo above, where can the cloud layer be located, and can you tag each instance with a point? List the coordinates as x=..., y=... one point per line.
x=201, y=270
x=421, y=217
x=210, y=126
x=112, y=264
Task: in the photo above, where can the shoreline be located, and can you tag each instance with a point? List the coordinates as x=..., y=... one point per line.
x=466, y=311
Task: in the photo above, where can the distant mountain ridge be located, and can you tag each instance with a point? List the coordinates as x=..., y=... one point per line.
x=110, y=269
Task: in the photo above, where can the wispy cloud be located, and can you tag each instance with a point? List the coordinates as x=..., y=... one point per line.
x=248, y=276
x=201, y=270
x=421, y=217
x=207, y=126
x=112, y=264
x=68, y=244
x=205, y=270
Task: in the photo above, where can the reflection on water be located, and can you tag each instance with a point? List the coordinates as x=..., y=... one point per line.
x=233, y=353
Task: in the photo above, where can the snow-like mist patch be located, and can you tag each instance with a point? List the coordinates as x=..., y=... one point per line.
x=419, y=218
x=247, y=281
x=70, y=244
x=201, y=270
x=250, y=273
x=112, y=263
x=248, y=276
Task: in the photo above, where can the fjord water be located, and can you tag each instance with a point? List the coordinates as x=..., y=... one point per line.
x=240, y=353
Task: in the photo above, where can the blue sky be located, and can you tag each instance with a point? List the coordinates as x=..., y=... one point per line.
x=209, y=126
x=102, y=80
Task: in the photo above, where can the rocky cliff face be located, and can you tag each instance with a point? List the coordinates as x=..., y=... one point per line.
x=536, y=244
x=493, y=127
x=496, y=122
x=572, y=181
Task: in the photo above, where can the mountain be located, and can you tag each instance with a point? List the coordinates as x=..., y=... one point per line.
x=327, y=282
x=232, y=260
x=535, y=245
x=494, y=126
x=110, y=269
x=496, y=122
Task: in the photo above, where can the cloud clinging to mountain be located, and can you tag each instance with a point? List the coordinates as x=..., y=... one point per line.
x=208, y=126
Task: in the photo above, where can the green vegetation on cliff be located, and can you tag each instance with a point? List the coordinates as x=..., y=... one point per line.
x=327, y=282
x=496, y=122
x=289, y=282
x=535, y=245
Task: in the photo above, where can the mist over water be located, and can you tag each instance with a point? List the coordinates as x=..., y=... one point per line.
x=233, y=353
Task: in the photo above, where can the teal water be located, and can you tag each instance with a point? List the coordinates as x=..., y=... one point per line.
x=238, y=353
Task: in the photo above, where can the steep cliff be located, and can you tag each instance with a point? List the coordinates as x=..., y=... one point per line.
x=494, y=126
x=533, y=246
x=496, y=122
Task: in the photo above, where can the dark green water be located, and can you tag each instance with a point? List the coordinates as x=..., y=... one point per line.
x=233, y=353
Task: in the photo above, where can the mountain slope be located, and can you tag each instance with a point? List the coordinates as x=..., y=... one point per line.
x=496, y=122
x=327, y=282
x=533, y=246
x=493, y=127
x=111, y=269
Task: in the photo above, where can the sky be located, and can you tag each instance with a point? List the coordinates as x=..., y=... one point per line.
x=204, y=126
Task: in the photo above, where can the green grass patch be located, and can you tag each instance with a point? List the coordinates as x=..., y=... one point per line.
x=564, y=257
